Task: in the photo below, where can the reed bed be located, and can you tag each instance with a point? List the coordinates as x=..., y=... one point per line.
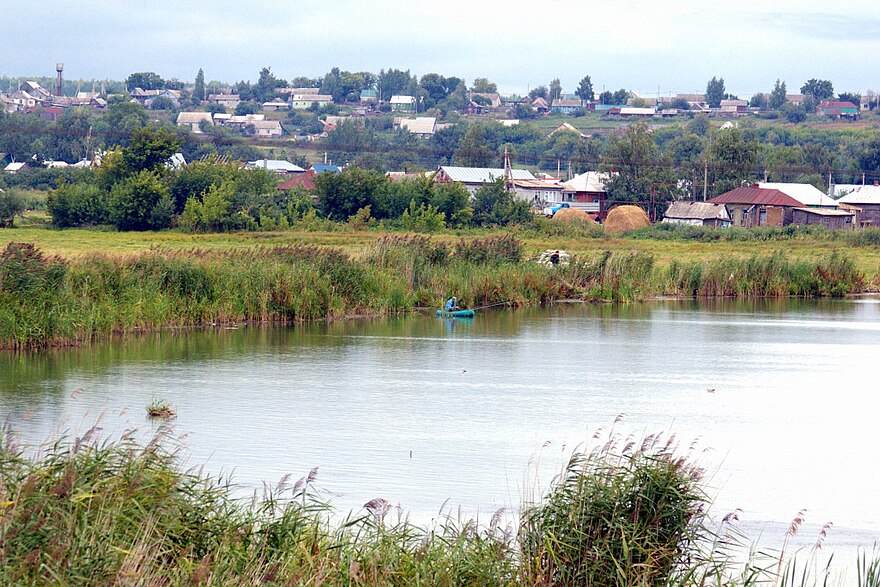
x=628, y=512
x=46, y=301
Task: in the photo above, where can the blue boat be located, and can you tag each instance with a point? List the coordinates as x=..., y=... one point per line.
x=457, y=313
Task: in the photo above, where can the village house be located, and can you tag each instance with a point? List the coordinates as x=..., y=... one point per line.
x=16, y=167
x=305, y=101
x=588, y=188
x=734, y=107
x=194, y=120
x=697, y=214
x=304, y=181
x=755, y=206
x=538, y=191
x=540, y=105
x=369, y=97
x=403, y=104
x=865, y=201
x=228, y=101
x=319, y=168
x=276, y=105
x=490, y=100
x=837, y=109
x=827, y=217
x=473, y=178
x=271, y=129
x=423, y=126
x=566, y=106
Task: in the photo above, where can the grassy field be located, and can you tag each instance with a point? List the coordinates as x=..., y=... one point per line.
x=72, y=244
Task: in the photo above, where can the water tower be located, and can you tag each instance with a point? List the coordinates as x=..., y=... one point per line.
x=59, y=67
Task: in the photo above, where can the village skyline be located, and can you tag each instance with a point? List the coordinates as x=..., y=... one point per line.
x=649, y=49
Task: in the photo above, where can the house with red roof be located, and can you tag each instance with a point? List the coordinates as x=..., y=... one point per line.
x=836, y=109
x=754, y=206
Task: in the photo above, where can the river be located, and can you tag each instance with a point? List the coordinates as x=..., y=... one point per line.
x=777, y=399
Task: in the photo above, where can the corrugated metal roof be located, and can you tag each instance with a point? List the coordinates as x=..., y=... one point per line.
x=826, y=211
x=756, y=196
x=423, y=125
x=697, y=211
x=482, y=174
x=194, y=117
x=863, y=194
x=538, y=184
x=275, y=165
x=804, y=193
x=403, y=100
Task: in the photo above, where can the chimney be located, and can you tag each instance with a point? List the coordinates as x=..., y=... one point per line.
x=877, y=182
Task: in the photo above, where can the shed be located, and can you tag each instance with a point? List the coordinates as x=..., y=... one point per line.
x=698, y=214
x=194, y=120
x=867, y=199
x=754, y=206
x=824, y=217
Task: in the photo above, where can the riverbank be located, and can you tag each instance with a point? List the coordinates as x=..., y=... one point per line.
x=50, y=300
x=630, y=513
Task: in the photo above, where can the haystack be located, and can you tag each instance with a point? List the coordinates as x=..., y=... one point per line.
x=626, y=218
x=573, y=216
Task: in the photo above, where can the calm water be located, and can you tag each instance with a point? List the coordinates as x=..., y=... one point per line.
x=421, y=410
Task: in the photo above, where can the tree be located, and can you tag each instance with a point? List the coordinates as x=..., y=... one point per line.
x=539, y=92
x=555, y=89
x=435, y=86
x=11, y=205
x=149, y=149
x=332, y=84
x=342, y=194
x=759, y=100
x=394, y=82
x=778, y=96
x=850, y=97
x=473, y=150
x=145, y=80
x=818, y=90
x=484, y=86
x=264, y=89
x=732, y=159
x=585, y=89
x=715, y=92
x=199, y=87
x=141, y=202
x=495, y=205
x=639, y=167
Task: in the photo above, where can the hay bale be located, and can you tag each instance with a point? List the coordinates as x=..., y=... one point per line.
x=626, y=218
x=573, y=215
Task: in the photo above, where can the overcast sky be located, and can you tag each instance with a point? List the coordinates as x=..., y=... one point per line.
x=674, y=46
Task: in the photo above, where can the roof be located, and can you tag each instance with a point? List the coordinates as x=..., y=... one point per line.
x=423, y=125
x=825, y=211
x=565, y=103
x=275, y=165
x=266, y=124
x=312, y=98
x=303, y=180
x=824, y=104
x=403, y=100
x=369, y=93
x=12, y=167
x=508, y=122
x=733, y=103
x=538, y=184
x=756, y=196
x=482, y=174
x=325, y=168
x=863, y=194
x=224, y=97
x=697, y=211
x=591, y=181
x=632, y=111
x=194, y=117
x=804, y=193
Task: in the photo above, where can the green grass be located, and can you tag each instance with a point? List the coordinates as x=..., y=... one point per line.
x=48, y=300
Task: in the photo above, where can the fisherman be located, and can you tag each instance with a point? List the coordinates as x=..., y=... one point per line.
x=452, y=304
x=554, y=258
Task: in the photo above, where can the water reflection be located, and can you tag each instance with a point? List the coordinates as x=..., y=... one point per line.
x=421, y=409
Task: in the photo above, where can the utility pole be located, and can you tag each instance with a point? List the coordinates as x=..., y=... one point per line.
x=705, y=178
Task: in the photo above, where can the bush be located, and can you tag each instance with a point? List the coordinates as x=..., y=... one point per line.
x=78, y=204
x=25, y=272
x=425, y=218
x=12, y=204
x=141, y=202
x=617, y=517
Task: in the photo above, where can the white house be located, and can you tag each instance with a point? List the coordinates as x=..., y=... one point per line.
x=194, y=120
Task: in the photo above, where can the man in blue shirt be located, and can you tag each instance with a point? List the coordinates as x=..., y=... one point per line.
x=452, y=304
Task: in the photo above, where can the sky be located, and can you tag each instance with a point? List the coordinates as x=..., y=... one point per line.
x=671, y=46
